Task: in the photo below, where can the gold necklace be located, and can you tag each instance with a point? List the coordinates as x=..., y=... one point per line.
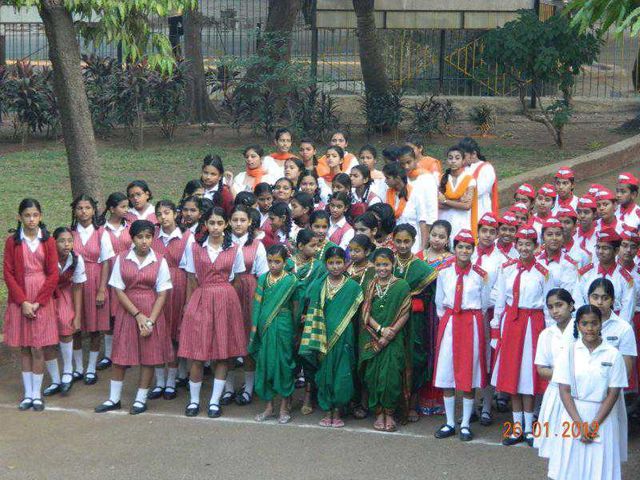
x=381, y=293
x=271, y=280
x=403, y=265
x=333, y=289
x=297, y=267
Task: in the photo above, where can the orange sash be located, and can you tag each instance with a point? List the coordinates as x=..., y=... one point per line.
x=256, y=174
x=402, y=203
x=430, y=165
x=495, y=204
x=415, y=173
x=282, y=156
x=322, y=168
x=457, y=194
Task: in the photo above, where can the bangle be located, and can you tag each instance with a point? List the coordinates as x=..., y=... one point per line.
x=379, y=329
x=135, y=315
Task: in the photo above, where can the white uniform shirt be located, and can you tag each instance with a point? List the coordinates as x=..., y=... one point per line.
x=587, y=244
x=562, y=273
x=163, y=280
x=616, y=332
x=631, y=216
x=347, y=236
x=79, y=275
x=260, y=265
x=594, y=372
x=490, y=263
x=150, y=210
x=573, y=204
x=426, y=187
x=239, y=180
x=625, y=300
x=551, y=343
x=475, y=290
x=31, y=244
x=415, y=212
x=85, y=233
x=177, y=233
x=484, y=184
x=238, y=261
x=576, y=252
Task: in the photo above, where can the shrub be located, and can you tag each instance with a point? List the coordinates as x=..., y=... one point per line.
x=483, y=117
x=132, y=89
x=432, y=115
x=383, y=113
x=313, y=114
x=167, y=95
x=101, y=83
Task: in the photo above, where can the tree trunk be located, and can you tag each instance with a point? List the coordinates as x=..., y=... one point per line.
x=281, y=18
x=198, y=103
x=372, y=64
x=79, y=140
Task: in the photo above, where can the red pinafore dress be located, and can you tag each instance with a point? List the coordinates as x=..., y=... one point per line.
x=129, y=347
x=120, y=243
x=63, y=297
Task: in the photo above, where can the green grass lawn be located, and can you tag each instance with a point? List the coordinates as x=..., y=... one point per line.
x=43, y=174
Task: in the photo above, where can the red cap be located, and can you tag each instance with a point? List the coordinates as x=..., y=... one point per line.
x=605, y=194
x=488, y=220
x=567, y=212
x=526, y=190
x=587, y=202
x=527, y=232
x=508, y=219
x=519, y=207
x=627, y=178
x=465, y=236
x=565, y=173
x=552, y=222
x=629, y=233
x=547, y=190
x=594, y=188
x=608, y=235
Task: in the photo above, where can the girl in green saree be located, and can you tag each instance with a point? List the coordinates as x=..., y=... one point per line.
x=272, y=335
x=328, y=339
x=419, y=275
x=384, y=342
x=319, y=222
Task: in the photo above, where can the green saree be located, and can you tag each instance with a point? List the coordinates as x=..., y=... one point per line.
x=419, y=275
x=328, y=340
x=383, y=369
x=272, y=337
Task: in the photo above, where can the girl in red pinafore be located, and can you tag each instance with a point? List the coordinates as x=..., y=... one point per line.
x=171, y=243
x=340, y=231
x=212, y=326
x=139, y=196
x=31, y=275
x=115, y=240
x=68, y=304
x=141, y=334
x=95, y=302
x=255, y=263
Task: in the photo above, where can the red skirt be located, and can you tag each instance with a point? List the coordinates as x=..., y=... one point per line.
x=42, y=331
x=176, y=298
x=246, y=290
x=511, y=352
x=65, y=311
x=212, y=326
x=129, y=347
x=94, y=319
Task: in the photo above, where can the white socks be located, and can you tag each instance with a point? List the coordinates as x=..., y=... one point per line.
x=228, y=385
x=108, y=345
x=467, y=410
x=93, y=361
x=54, y=370
x=248, y=381
x=517, y=418
x=66, y=351
x=160, y=379
x=528, y=422
x=171, y=377
x=182, y=368
x=27, y=382
x=36, y=385
x=116, y=391
x=141, y=396
x=77, y=359
x=487, y=398
x=218, y=387
x=450, y=410
x=194, y=391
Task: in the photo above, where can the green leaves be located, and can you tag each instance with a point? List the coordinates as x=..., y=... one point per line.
x=603, y=14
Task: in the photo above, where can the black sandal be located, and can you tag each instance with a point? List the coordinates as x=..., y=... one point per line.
x=77, y=376
x=445, y=431
x=104, y=364
x=107, y=406
x=52, y=390
x=156, y=392
x=243, y=398
x=214, y=410
x=90, y=379
x=138, y=407
x=25, y=404
x=38, y=405
x=227, y=398
x=192, y=410
x=169, y=393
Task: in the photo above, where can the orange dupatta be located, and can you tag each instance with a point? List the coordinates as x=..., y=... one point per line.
x=458, y=193
x=402, y=203
x=415, y=173
x=282, y=156
x=322, y=168
x=256, y=174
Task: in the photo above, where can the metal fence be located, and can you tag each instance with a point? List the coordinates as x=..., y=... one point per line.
x=422, y=60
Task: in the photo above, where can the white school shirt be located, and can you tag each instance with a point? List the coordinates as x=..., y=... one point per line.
x=150, y=210
x=551, y=343
x=576, y=252
x=616, y=332
x=31, y=244
x=263, y=218
x=562, y=273
x=260, y=264
x=617, y=226
x=458, y=219
x=475, y=290
x=238, y=261
x=624, y=289
x=533, y=290
x=274, y=170
x=415, y=212
x=325, y=190
x=372, y=197
x=589, y=243
x=346, y=237
x=163, y=280
x=177, y=233
x=79, y=275
x=85, y=233
x=594, y=372
x=512, y=253
x=490, y=263
x=194, y=228
x=556, y=206
x=426, y=187
x=106, y=245
x=630, y=217
x=239, y=184
x=484, y=184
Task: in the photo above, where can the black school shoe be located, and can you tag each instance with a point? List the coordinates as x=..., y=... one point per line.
x=25, y=404
x=38, y=405
x=104, y=364
x=445, y=431
x=510, y=441
x=90, y=379
x=214, y=411
x=466, y=435
x=107, y=407
x=77, y=376
x=192, y=410
x=169, y=393
x=52, y=389
x=529, y=438
x=138, y=408
x=156, y=392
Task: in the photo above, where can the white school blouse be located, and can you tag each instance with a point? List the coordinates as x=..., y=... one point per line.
x=163, y=280
x=475, y=290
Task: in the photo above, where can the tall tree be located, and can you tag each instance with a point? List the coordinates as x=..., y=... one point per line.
x=281, y=18
x=198, y=103
x=99, y=20
x=376, y=82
